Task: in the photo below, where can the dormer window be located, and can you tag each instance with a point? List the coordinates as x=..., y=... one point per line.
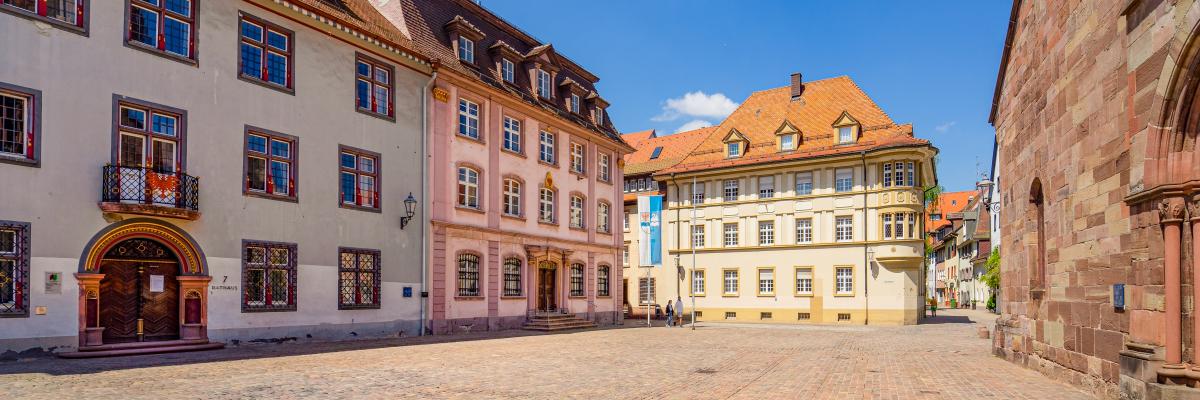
x=787, y=142
x=600, y=116
x=466, y=50
x=846, y=134
x=543, y=84
x=507, y=70
x=733, y=150
x=735, y=144
x=574, y=103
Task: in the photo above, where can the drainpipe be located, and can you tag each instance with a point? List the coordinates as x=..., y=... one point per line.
x=426, y=218
x=866, y=257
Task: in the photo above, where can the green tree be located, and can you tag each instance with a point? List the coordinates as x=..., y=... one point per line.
x=992, y=276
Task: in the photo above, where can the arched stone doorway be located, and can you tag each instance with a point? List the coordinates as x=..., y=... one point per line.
x=142, y=280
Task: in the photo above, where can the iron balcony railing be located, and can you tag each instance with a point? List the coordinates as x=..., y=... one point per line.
x=141, y=185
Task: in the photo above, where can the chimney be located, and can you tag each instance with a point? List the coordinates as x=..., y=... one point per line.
x=797, y=86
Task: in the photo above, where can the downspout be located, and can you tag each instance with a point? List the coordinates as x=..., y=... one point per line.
x=426, y=218
x=866, y=258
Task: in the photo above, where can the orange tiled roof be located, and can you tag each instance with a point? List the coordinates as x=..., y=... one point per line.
x=948, y=203
x=361, y=15
x=674, y=149
x=813, y=114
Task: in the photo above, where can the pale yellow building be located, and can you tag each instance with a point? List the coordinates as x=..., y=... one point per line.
x=807, y=207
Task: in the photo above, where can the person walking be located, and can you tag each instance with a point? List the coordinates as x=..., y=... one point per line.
x=679, y=310
x=670, y=313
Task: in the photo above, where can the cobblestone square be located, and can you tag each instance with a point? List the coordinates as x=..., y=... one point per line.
x=944, y=360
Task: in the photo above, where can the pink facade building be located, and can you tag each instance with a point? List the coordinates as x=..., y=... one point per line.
x=523, y=177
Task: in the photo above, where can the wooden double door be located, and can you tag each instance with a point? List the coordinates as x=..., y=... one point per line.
x=134, y=293
x=546, y=296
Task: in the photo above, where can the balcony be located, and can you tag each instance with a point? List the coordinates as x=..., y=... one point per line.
x=145, y=191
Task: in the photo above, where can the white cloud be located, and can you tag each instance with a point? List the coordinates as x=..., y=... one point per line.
x=696, y=104
x=693, y=124
x=945, y=126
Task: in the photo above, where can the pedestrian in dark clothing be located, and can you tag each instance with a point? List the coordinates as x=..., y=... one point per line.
x=670, y=313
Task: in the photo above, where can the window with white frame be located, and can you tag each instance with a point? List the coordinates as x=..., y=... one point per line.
x=844, y=179
x=804, y=280
x=574, y=103
x=577, y=211
x=912, y=225
x=546, y=147
x=625, y=221
x=766, y=187
x=844, y=229
x=698, y=282
x=804, y=183
x=731, y=282
x=543, y=83
x=599, y=116
x=733, y=149
x=787, y=142
x=512, y=197
x=468, y=187
x=546, y=202
x=766, y=281
x=512, y=134
x=698, y=193
x=507, y=70
x=604, y=173
x=731, y=189
x=887, y=175
x=698, y=236
x=625, y=255
x=900, y=225
x=17, y=122
x=845, y=280
x=731, y=234
x=910, y=176
x=602, y=212
x=766, y=233
x=466, y=50
x=887, y=226
x=846, y=134
x=804, y=232
x=577, y=159
x=468, y=119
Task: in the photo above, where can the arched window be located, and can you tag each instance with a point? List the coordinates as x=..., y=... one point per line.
x=512, y=276
x=468, y=187
x=546, y=209
x=577, y=280
x=512, y=197
x=602, y=279
x=468, y=275
x=1037, y=277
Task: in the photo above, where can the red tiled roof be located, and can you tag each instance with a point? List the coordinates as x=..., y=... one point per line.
x=425, y=20
x=673, y=149
x=820, y=105
x=948, y=203
x=361, y=15
x=633, y=138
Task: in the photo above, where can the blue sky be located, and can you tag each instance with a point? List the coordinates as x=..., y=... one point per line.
x=932, y=64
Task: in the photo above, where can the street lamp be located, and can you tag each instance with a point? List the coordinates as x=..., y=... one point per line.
x=409, y=205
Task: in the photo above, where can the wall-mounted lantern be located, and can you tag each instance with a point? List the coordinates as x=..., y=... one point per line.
x=410, y=204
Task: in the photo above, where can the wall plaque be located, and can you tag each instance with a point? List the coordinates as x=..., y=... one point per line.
x=53, y=283
x=156, y=283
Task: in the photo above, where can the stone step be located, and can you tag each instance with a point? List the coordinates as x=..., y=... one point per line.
x=139, y=345
x=142, y=350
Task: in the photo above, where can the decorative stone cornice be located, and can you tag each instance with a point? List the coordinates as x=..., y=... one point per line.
x=1171, y=210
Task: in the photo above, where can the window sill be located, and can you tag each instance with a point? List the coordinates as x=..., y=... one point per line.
x=478, y=140
x=360, y=208
x=604, y=297
x=766, y=295
x=268, y=85
x=843, y=295
x=469, y=209
x=579, y=229
x=512, y=297
x=697, y=294
x=162, y=53
x=56, y=23
x=548, y=164
x=514, y=217
x=21, y=160
x=606, y=233
x=470, y=298
x=269, y=196
x=730, y=295
x=513, y=153
x=580, y=174
x=259, y=309
x=577, y=297
x=384, y=117
x=358, y=307
x=804, y=294
x=548, y=223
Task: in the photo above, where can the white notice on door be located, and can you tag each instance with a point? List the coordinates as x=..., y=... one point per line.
x=156, y=283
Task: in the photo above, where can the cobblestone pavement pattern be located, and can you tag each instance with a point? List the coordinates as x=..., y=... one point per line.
x=716, y=361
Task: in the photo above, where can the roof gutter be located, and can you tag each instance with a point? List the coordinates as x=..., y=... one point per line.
x=876, y=149
x=1008, y=44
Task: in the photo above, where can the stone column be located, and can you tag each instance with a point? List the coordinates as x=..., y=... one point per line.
x=90, y=331
x=1171, y=215
x=1194, y=211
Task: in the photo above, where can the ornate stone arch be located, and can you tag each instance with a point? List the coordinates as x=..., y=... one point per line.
x=191, y=259
x=1172, y=160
